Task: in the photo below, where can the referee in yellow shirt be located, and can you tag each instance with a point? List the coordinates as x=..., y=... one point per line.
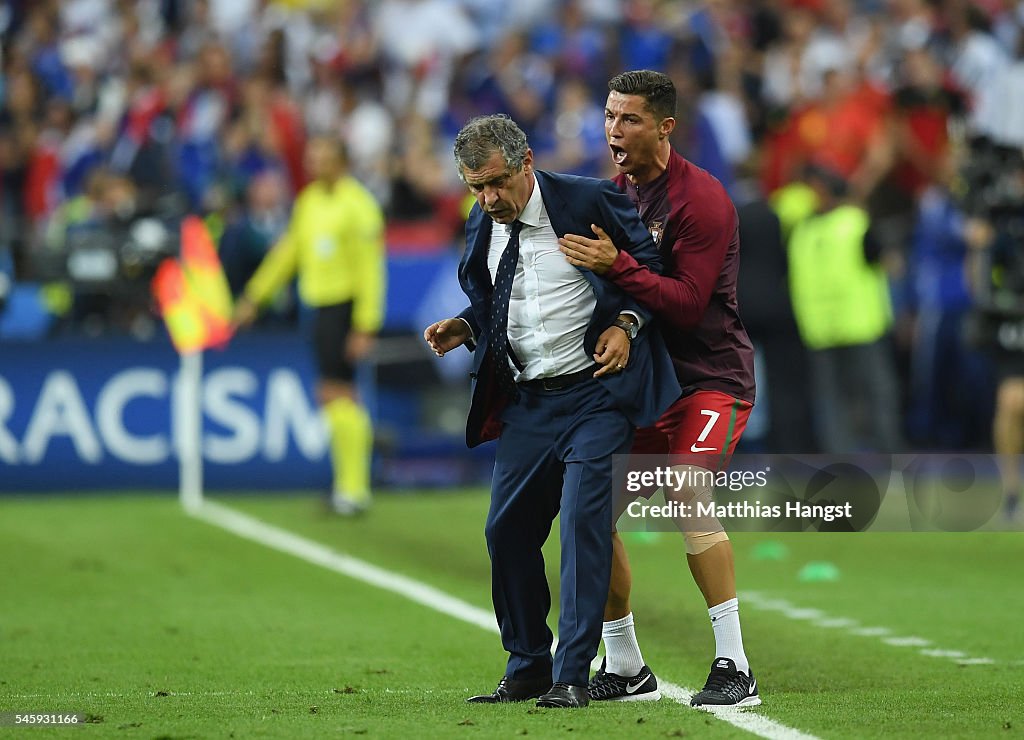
x=335, y=242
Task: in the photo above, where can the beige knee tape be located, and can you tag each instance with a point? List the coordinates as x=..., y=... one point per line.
x=698, y=542
x=700, y=493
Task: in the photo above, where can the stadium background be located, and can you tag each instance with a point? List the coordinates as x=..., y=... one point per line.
x=117, y=117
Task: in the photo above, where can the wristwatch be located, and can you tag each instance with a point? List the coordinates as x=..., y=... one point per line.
x=630, y=327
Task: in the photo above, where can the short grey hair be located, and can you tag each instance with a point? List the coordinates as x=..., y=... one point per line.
x=483, y=136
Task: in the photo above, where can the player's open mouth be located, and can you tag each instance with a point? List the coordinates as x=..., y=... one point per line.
x=618, y=153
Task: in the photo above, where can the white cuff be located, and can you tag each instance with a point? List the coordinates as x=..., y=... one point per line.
x=636, y=317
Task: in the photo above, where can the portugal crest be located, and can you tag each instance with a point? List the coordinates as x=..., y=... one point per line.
x=657, y=231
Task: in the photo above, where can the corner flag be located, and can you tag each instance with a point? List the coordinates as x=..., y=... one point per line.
x=193, y=293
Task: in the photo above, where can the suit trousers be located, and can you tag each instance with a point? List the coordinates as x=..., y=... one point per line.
x=554, y=453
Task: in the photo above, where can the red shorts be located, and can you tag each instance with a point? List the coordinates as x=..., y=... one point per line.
x=704, y=425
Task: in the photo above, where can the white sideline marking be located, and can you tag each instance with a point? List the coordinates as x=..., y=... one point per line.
x=250, y=528
x=907, y=641
x=755, y=724
x=871, y=631
x=939, y=653
x=836, y=623
x=777, y=605
x=852, y=626
x=253, y=529
x=804, y=614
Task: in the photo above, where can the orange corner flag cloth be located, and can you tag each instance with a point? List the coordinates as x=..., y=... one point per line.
x=193, y=294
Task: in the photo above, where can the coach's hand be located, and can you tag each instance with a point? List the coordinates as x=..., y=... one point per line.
x=444, y=336
x=612, y=351
x=597, y=255
x=358, y=345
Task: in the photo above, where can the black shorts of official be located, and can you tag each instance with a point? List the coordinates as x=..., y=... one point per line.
x=330, y=334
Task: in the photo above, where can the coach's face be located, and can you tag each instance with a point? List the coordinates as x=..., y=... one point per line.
x=502, y=192
x=634, y=135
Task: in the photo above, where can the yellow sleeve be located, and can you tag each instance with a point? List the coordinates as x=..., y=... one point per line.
x=277, y=268
x=370, y=273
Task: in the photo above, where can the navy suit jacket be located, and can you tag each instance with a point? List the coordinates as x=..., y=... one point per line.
x=648, y=385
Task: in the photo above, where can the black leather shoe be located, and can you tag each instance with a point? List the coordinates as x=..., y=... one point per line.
x=510, y=689
x=565, y=696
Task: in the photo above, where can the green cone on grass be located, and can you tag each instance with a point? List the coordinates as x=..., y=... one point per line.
x=818, y=572
x=647, y=538
x=770, y=550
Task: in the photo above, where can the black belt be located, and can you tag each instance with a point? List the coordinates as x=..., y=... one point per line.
x=559, y=382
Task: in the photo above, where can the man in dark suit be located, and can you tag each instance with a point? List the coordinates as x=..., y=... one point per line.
x=565, y=366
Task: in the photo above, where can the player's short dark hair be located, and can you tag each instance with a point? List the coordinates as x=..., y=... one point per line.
x=655, y=88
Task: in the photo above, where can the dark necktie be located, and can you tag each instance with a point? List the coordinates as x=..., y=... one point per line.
x=499, y=311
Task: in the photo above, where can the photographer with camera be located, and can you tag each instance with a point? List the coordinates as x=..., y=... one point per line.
x=100, y=250
x=995, y=235
x=991, y=191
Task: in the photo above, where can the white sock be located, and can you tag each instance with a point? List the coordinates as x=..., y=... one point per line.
x=725, y=620
x=621, y=650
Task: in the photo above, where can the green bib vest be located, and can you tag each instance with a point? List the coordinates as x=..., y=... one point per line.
x=839, y=299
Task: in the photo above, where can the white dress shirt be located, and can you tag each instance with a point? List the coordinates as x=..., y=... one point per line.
x=552, y=301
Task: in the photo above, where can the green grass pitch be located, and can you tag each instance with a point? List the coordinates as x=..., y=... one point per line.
x=155, y=624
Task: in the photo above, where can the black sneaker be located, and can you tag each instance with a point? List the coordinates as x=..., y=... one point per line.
x=606, y=686
x=727, y=687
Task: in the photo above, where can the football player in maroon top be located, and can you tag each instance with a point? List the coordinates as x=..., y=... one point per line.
x=694, y=223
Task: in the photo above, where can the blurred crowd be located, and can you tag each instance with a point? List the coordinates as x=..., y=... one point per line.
x=118, y=116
